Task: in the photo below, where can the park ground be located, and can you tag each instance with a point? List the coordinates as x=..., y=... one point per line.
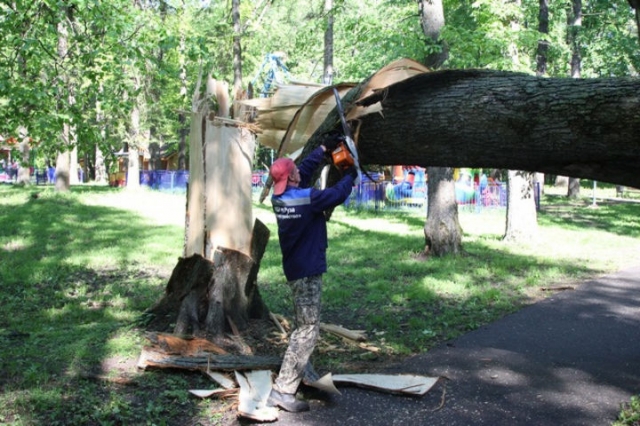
x=79, y=270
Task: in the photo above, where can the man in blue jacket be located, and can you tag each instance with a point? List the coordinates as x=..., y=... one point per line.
x=302, y=231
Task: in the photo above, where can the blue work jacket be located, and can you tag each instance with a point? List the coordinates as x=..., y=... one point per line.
x=302, y=227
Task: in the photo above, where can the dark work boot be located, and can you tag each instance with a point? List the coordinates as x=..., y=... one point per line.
x=287, y=402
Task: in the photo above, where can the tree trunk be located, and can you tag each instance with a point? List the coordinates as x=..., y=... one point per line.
x=586, y=128
x=62, y=166
x=24, y=175
x=432, y=21
x=635, y=4
x=74, y=177
x=442, y=232
x=522, y=219
x=522, y=225
x=541, y=59
x=62, y=177
x=133, y=161
x=237, y=47
x=182, y=119
x=204, y=297
x=214, y=286
x=328, y=43
x=573, y=188
x=543, y=43
x=575, y=22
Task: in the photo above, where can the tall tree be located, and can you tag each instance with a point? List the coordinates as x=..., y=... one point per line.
x=237, y=48
x=541, y=61
x=432, y=21
x=328, y=43
x=574, y=18
x=135, y=135
x=63, y=159
x=442, y=231
x=522, y=222
x=635, y=5
x=543, y=41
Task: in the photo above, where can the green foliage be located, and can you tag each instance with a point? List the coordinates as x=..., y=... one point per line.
x=609, y=40
x=120, y=54
x=480, y=35
x=369, y=37
x=630, y=414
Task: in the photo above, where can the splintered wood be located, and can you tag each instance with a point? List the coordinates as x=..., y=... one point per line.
x=171, y=344
x=356, y=335
x=168, y=351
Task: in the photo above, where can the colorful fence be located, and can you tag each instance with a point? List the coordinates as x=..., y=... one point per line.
x=369, y=194
x=385, y=195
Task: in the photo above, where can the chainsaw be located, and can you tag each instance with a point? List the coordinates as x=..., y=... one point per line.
x=342, y=157
x=345, y=155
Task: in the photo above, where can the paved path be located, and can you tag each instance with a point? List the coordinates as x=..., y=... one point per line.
x=571, y=359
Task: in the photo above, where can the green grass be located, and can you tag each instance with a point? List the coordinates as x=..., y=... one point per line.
x=630, y=413
x=78, y=269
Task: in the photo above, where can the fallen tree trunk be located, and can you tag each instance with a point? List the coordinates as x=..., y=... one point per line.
x=584, y=128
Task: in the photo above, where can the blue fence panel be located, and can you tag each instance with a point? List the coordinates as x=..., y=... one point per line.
x=146, y=178
x=181, y=180
x=165, y=180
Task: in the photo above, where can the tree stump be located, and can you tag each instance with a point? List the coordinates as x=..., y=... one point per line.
x=207, y=298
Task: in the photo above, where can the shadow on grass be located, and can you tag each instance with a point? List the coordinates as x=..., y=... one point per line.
x=73, y=280
x=375, y=280
x=614, y=216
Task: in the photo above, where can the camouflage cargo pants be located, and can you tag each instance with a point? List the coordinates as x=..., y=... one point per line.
x=306, y=301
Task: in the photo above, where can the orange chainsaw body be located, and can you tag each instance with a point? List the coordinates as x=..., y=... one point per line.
x=342, y=157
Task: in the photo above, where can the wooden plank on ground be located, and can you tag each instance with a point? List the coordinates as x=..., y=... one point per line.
x=154, y=359
x=255, y=387
x=400, y=384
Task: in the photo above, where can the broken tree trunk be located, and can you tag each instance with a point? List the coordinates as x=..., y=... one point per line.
x=213, y=288
x=202, y=295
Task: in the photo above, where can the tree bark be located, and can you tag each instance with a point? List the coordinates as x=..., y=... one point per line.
x=432, y=21
x=522, y=220
x=586, y=128
x=237, y=47
x=328, y=43
x=522, y=224
x=574, y=24
x=442, y=231
x=133, y=161
x=573, y=188
x=541, y=56
x=202, y=296
x=543, y=43
x=63, y=158
x=24, y=176
x=635, y=4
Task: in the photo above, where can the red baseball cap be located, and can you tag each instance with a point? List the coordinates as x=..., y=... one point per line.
x=280, y=171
